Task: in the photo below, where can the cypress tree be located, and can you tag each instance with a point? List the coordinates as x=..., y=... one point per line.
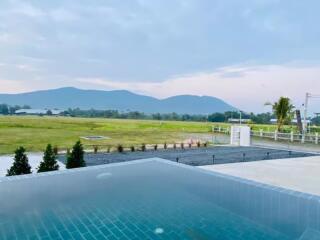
x=21, y=164
x=49, y=162
x=75, y=159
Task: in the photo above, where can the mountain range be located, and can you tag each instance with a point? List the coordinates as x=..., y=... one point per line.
x=121, y=100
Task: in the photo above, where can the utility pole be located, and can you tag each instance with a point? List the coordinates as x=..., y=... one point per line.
x=305, y=124
x=306, y=103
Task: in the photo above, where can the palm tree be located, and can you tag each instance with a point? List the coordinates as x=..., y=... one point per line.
x=283, y=110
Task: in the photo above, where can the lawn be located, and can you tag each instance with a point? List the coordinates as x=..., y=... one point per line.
x=34, y=132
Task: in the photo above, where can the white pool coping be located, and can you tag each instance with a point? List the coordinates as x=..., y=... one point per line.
x=6, y=162
x=297, y=174
x=240, y=180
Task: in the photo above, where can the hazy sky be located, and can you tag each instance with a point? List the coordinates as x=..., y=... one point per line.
x=247, y=52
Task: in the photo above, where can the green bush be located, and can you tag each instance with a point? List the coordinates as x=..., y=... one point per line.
x=95, y=149
x=49, y=162
x=120, y=148
x=55, y=150
x=143, y=147
x=21, y=163
x=165, y=146
x=155, y=147
x=132, y=149
x=75, y=159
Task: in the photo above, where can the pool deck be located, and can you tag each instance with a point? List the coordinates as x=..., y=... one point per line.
x=299, y=174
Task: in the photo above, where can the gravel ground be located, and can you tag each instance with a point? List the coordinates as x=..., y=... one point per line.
x=195, y=156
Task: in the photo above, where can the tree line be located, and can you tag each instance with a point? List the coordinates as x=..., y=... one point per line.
x=281, y=108
x=6, y=109
x=262, y=118
x=49, y=162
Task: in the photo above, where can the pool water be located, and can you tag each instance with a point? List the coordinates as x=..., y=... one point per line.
x=142, y=200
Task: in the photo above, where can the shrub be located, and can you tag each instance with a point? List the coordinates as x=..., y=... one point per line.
x=132, y=149
x=155, y=147
x=120, y=148
x=75, y=159
x=205, y=144
x=165, y=146
x=21, y=163
x=143, y=147
x=55, y=150
x=49, y=162
x=95, y=149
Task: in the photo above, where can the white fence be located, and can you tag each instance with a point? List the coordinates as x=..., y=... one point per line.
x=292, y=137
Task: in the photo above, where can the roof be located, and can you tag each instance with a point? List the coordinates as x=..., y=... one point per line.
x=292, y=121
x=37, y=111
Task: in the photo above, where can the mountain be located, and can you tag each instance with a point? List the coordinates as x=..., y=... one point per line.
x=64, y=98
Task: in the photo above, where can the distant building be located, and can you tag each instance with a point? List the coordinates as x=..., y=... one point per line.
x=237, y=120
x=38, y=112
x=293, y=121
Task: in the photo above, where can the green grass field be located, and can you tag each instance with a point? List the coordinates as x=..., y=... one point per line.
x=35, y=132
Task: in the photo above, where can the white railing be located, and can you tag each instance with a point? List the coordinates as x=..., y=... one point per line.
x=292, y=137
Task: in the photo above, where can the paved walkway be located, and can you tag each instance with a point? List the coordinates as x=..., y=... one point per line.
x=287, y=145
x=300, y=174
x=219, y=138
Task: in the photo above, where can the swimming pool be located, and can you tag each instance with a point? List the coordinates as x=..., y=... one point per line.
x=151, y=199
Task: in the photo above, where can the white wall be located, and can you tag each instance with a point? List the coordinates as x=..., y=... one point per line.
x=240, y=136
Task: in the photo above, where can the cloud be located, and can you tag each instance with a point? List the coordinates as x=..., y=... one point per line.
x=63, y=15
x=143, y=41
x=247, y=87
x=249, y=90
x=11, y=86
x=231, y=49
x=26, y=9
x=5, y=38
